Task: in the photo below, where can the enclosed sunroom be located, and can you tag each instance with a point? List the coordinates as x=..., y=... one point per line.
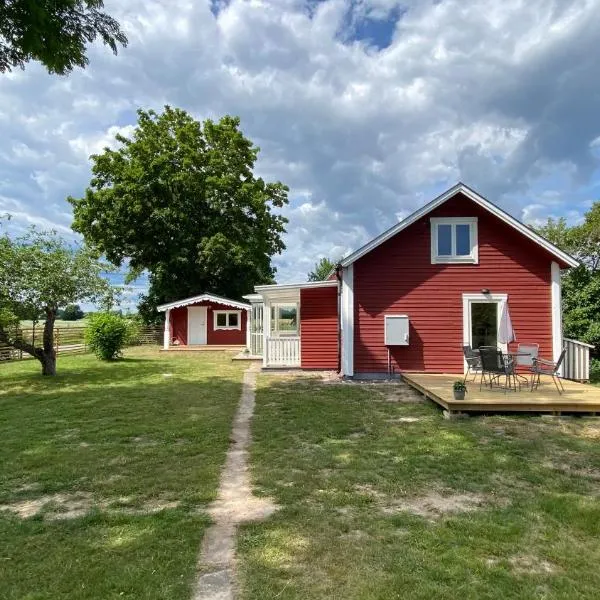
x=295, y=325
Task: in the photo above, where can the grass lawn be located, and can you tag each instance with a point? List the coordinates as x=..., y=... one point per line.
x=381, y=498
x=106, y=470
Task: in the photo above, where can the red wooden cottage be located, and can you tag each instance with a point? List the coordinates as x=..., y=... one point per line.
x=413, y=296
x=205, y=320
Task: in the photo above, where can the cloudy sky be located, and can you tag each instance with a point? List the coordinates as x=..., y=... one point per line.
x=367, y=109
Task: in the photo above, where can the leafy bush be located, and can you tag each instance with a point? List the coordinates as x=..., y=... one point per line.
x=595, y=370
x=106, y=334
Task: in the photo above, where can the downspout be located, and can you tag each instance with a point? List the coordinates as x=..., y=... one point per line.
x=338, y=276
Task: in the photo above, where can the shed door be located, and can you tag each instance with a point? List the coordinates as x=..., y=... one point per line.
x=197, y=325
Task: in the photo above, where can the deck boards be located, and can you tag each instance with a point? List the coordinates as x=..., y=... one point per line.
x=577, y=397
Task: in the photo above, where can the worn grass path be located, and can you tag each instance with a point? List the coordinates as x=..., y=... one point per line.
x=235, y=504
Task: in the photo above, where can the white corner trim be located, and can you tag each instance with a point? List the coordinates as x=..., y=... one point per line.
x=481, y=201
x=557, y=339
x=347, y=320
x=472, y=258
x=227, y=327
x=167, y=332
x=266, y=331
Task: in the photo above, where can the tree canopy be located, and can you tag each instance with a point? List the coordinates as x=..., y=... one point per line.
x=71, y=312
x=54, y=32
x=580, y=286
x=40, y=273
x=180, y=200
x=322, y=270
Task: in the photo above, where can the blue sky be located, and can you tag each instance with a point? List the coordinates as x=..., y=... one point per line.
x=365, y=108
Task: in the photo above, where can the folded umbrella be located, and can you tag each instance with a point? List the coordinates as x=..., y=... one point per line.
x=506, y=333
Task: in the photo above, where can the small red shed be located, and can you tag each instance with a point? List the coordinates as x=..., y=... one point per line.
x=205, y=320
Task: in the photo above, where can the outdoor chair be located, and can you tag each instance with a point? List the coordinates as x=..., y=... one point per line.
x=473, y=362
x=548, y=367
x=494, y=366
x=525, y=362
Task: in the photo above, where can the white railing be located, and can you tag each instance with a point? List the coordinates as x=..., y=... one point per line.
x=256, y=343
x=283, y=352
x=577, y=360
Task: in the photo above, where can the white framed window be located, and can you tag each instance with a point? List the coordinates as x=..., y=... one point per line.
x=284, y=319
x=227, y=319
x=454, y=240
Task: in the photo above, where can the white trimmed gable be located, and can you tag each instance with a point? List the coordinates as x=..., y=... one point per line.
x=461, y=188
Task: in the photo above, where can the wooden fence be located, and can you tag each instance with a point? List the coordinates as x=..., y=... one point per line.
x=70, y=340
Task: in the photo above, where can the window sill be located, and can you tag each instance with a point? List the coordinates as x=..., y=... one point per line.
x=454, y=260
x=228, y=329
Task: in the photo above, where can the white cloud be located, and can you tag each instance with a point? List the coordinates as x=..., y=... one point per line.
x=500, y=95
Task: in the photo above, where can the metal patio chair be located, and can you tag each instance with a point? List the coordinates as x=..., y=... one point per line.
x=526, y=353
x=495, y=365
x=473, y=361
x=548, y=367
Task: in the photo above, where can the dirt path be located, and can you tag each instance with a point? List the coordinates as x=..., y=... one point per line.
x=235, y=504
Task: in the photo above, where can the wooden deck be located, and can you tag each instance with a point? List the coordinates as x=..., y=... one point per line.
x=577, y=397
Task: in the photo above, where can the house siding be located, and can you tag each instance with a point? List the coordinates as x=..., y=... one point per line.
x=319, y=328
x=224, y=337
x=398, y=277
x=179, y=325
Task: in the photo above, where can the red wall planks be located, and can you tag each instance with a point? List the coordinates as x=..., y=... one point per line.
x=319, y=328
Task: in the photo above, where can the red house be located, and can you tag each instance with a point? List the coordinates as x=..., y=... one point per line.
x=205, y=320
x=413, y=296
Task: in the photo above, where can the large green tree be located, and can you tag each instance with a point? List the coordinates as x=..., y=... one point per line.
x=322, y=270
x=40, y=273
x=180, y=200
x=580, y=286
x=54, y=32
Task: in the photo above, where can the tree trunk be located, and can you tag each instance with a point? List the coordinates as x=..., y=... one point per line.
x=48, y=363
x=48, y=354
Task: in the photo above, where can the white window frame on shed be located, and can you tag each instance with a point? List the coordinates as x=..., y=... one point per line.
x=229, y=327
x=453, y=257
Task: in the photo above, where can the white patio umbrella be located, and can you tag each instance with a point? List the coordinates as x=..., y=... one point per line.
x=506, y=333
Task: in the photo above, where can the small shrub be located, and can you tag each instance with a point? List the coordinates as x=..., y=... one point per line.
x=106, y=334
x=459, y=385
x=595, y=370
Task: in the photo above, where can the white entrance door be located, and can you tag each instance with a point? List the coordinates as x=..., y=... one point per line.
x=481, y=318
x=197, y=325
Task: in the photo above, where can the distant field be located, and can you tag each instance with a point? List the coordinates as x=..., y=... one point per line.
x=59, y=323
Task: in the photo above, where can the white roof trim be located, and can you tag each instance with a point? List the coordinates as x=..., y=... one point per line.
x=296, y=286
x=203, y=298
x=481, y=201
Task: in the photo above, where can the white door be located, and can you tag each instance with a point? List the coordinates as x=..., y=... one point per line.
x=197, y=325
x=481, y=317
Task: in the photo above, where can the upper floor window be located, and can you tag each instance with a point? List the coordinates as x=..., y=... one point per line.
x=454, y=240
x=227, y=319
